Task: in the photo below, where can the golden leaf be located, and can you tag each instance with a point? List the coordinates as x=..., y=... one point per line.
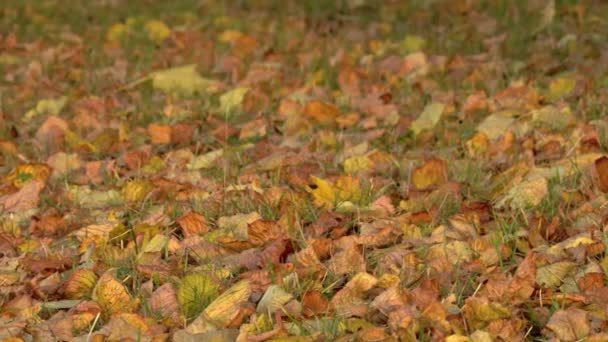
x=112, y=296
x=157, y=30
x=80, y=284
x=433, y=173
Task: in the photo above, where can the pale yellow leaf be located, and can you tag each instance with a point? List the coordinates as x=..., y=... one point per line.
x=429, y=117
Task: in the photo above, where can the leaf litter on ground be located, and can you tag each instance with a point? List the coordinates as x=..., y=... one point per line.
x=315, y=171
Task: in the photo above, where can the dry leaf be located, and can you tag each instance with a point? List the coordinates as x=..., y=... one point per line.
x=571, y=324
x=112, y=296
x=433, y=173
x=428, y=118
x=321, y=112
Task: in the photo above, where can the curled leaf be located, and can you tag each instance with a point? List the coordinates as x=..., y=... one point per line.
x=80, y=284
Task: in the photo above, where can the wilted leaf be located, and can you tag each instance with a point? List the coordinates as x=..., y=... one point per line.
x=164, y=302
x=183, y=80
x=205, y=161
x=601, y=167
x=25, y=173
x=136, y=190
x=46, y=107
x=357, y=163
x=480, y=311
x=528, y=193
x=80, y=284
x=112, y=296
x=552, y=117
x=193, y=224
x=434, y=172
x=225, y=307
x=552, y=275
x=273, y=299
x=497, y=124
x=570, y=325
x=429, y=117
x=23, y=200
x=321, y=112
x=232, y=100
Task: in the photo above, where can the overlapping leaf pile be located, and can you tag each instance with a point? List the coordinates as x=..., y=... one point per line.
x=200, y=171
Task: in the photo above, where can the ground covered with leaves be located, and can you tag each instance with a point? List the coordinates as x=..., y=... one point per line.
x=303, y=171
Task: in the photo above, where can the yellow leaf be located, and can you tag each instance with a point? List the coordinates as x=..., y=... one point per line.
x=112, y=296
x=116, y=32
x=205, y=161
x=232, y=100
x=183, y=80
x=25, y=173
x=157, y=30
x=561, y=87
x=46, y=106
x=348, y=189
x=357, y=163
x=80, y=284
x=457, y=338
x=136, y=190
x=478, y=145
x=553, y=275
x=412, y=43
x=229, y=36
x=429, y=117
x=226, y=307
x=323, y=192
x=434, y=172
x=480, y=311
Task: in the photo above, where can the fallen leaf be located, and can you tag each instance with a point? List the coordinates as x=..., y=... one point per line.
x=112, y=296
x=231, y=101
x=571, y=324
x=157, y=30
x=429, y=118
x=433, y=173
x=552, y=275
x=321, y=112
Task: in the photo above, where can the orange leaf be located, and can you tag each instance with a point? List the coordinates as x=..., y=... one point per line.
x=601, y=167
x=193, y=224
x=321, y=112
x=159, y=134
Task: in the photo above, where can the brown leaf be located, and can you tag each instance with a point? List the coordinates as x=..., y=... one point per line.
x=314, y=303
x=164, y=302
x=601, y=167
x=193, y=224
x=570, y=325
